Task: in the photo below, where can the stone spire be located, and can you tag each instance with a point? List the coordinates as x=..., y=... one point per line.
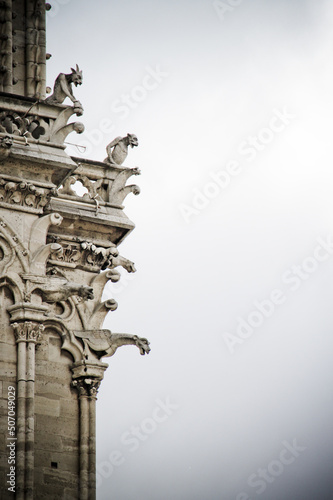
x=22, y=47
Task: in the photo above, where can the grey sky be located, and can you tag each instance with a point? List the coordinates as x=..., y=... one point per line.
x=247, y=99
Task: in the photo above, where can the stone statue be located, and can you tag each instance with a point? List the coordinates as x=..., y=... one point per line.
x=120, y=149
x=105, y=343
x=58, y=289
x=63, y=88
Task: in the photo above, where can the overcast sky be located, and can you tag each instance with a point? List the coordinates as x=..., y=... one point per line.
x=232, y=105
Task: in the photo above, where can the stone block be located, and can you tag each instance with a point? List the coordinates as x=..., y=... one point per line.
x=47, y=406
x=70, y=444
x=63, y=479
x=52, y=426
x=8, y=353
x=43, y=441
x=68, y=462
x=69, y=409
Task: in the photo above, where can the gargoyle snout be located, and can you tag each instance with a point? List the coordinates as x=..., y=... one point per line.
x=86, y=292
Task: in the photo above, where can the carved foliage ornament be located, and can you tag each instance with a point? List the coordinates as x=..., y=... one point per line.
x=23, y=194
x=89, y=255
x=70, y=254
x=28, y=331
x=87, y=386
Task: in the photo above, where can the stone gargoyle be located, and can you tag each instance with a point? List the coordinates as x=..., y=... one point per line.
x=117, y=150
x=105, y=343
x=5, y=145
x=117, y=260
x=63, y=88
x=59, y=289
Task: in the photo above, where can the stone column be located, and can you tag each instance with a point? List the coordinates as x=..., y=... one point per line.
x=27, y=334
x=87, y=390
x=87, y=377
x=92, y=442
x=20, y=417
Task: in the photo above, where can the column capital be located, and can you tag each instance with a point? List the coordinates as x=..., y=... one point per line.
x=86, y=386
x=87, y=377
x=28, y=331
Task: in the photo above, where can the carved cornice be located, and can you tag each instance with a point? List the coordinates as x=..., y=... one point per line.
x=28, y=331
x=88, y=256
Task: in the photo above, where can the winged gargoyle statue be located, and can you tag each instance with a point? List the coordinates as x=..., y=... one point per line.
x=59, y=289
x=105, y=343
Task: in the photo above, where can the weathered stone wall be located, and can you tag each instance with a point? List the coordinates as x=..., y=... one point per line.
x=57, y=417
x=56, y=412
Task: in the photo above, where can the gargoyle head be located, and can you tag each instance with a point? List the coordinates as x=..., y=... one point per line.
x=6, y=142
x=142, y=344
x=86, y=292
x=129, y=266
x=76, y=76
x=132, y=140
